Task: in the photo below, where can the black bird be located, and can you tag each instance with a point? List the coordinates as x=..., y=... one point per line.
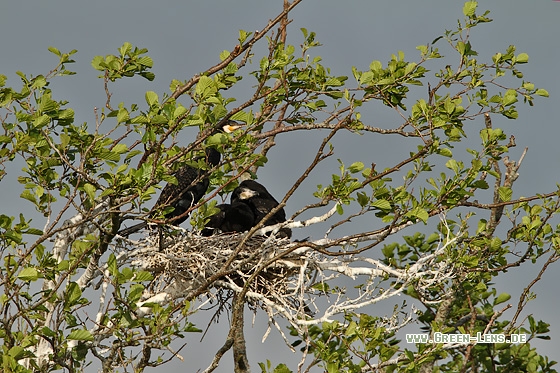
x=261, y=203
x=237, y=217
x=186, y=193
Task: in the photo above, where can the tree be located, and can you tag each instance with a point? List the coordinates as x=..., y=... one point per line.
x=88, y=179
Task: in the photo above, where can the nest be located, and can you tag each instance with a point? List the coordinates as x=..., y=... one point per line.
x=185, y=262
x=285, y=279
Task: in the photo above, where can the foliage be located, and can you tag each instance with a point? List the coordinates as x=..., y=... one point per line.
x=87, y=179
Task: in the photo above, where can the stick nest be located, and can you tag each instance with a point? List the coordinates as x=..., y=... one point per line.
x=185, y=261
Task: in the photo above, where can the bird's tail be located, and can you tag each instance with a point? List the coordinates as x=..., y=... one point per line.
x=132, y=229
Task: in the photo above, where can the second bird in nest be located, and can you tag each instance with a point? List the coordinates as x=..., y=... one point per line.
x=250, y=203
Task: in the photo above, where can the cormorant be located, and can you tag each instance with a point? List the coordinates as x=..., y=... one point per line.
x=261, y=203
x=237, y=217
x=186, y=193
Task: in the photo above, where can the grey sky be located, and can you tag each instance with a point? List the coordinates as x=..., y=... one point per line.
x=186, y=37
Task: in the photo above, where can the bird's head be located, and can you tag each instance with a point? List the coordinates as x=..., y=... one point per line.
x=215, y=133
x=230, y=126
x=246, y=193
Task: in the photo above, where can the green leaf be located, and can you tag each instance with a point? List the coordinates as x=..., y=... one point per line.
x=143, y=276
x=109, y=155
x=48, y=331
x=339, y=209
x=528, y=86
x=243, y=36
x=120, y=148
x=135, y=293
x=133, y=153
x=504, y=297
x=141, y=119
x=90, y=190
x=63, y=265
x=125, y=48
x=333, y=82
x=241, y=116
x=376, y=67
x=351, y=329
x=522, y=58
x=110, y=191
x=452, y=165
x=64, y=140
x=148, y=62
x=66, y=114
x=419, y=213
x=410, y=68
x=480, y=184
x=469, y=8
x=381, y=204
x=449, y=106
x=423, y=49
x=510, y=97
x=122, y=115
x=386, y=81
x=26, y=194
x=446, y=152
x=333, y=367
x=39, y=82
x=205, y=86
x=217, y=139
x=54, y=50
x=112, y=265
x=505, y=193
x=282, y=368
x=43, y=120
x=148, y=75
x=73, y=294
x=34, y=231
x=363, y=199
x=511, y=113
x=461, y=48
x=80, y=335
x=497, y=58
x=495, y=244
x=541, y=92
x=16, y=352
x=28, y=274
x=180, y=110
x=152, y=98
x=225, y=54
x=98, y=63
x=356, y=167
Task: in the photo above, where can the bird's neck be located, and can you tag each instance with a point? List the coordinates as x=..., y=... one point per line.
x=212, y=156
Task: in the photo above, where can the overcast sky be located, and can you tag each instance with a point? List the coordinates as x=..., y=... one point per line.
x=184, y=38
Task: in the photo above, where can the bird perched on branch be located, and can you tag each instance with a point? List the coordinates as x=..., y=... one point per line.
x=261, y=202
x=192, y=184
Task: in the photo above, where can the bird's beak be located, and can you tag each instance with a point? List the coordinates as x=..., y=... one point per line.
x=231, y=126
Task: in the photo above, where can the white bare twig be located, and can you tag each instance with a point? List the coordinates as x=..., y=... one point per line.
x=75, y=228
